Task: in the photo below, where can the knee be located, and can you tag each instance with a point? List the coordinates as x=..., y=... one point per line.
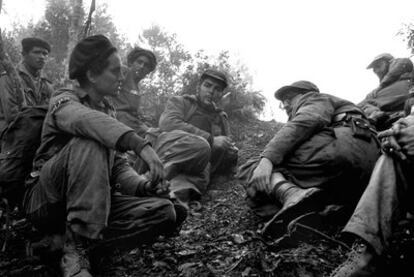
x=81, y=147
x=86, y=155
x=175, y=215
x=166, y=208
x=202, y=148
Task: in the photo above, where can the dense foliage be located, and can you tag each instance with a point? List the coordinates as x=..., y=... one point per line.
x=407, y=32
x=177, y=71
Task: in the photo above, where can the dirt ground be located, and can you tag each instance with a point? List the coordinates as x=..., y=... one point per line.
x=219, y=238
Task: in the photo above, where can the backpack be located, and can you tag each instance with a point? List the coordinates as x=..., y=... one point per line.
x=19, y=142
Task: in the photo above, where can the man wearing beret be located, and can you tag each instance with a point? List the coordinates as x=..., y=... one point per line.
x=36, y=87
x=385, y=104
x=199, y=116
x=184, y=155
x=83, y=188
x=325, y=149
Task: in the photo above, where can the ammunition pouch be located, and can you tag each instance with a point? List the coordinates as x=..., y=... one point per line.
x=361, y=127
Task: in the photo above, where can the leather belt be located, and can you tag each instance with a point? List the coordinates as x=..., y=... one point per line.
x=342, y=116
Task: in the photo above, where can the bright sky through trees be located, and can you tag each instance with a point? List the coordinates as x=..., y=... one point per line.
x=328, y=42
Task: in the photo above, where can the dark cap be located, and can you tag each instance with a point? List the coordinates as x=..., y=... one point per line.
x=381, y=57
x=29, y=43
x=215, y=74
x=138, y=51
x=87, y=52
x=300, y=87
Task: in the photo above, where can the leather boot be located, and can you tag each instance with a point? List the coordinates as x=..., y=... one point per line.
x=362, y=262
x=295, y=201
x=74, y=262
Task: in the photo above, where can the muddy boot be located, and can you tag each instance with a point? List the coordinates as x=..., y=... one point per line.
x=75, y=261
x=295, y=202
x=362, y=262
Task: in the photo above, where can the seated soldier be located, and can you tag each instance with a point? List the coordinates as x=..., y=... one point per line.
x=325, y=148
x=86, y=190
x=199, y=115
x=184, y=155
x=36, y=88
x=32, y=89
x=383, y=204
x=141, y=62
x=385, y=104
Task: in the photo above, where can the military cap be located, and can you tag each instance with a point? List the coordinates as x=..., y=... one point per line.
x=215, y=74
x=87, y=52
x=138, y=51
x=30, y=42
x=383, y=57
x=300, y=87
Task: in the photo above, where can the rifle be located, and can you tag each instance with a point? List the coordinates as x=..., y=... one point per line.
x=87, y=27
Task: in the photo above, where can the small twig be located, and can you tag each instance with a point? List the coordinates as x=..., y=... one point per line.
x=7, y=234
x=221, y=204
x=234, y=265
x=313, y=230
x=269, y=246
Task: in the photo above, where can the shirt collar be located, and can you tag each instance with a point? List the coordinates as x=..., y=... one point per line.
x=23, y=69
x=83, y=95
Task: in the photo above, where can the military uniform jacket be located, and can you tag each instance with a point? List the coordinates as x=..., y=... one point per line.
x=127, y=105
x=393, y=90
x=312, y=113
x=73, y=114
x=35, y=93
x=187, y=114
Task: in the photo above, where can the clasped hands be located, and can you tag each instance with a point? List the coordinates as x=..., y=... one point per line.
x=399, y=139
x=156, y=185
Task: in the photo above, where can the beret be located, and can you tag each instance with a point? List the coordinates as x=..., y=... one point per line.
x=215, y=74
x=299, y=87
x=30, y=42
x=87, y=52
x=138, y=51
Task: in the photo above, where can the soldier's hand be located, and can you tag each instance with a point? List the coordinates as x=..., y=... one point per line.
x=404, y=122
x=154, y=163
x=370, y=109
x=389, y=144
x=162, y=189
x=376, y=116
x=222, y=142
x=148, y=188
x=261, y=175
x=406, y=138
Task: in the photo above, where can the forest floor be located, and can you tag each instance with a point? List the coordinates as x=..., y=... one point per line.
x=219, y=238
